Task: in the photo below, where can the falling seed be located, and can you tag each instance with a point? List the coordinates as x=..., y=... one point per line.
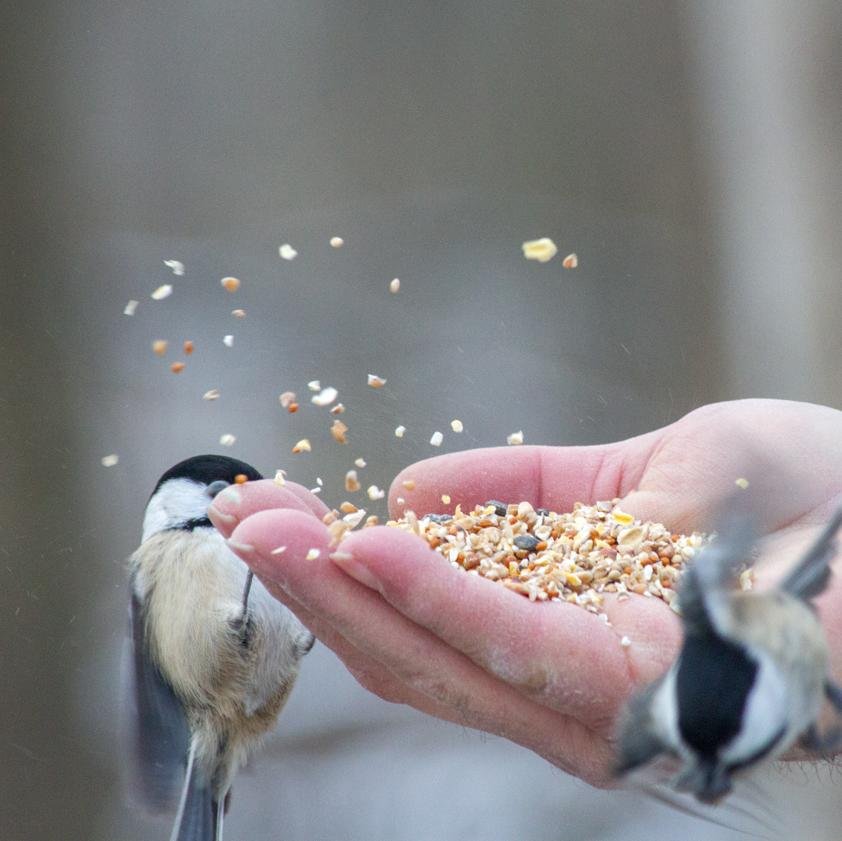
x=338, y=430
x=515, y=439
x=571, y=261
x=409, y=484
x=360, y=462
x=162, y=292
x=228, y=340
x=445, y=498
x=188, y=347
x=287, y=399
x=742, y=483
x=159, y=347
x=228, y=440
x=240, y=479
x=325, y=397
x=338, y=409
x=212, y=394
x=376, y=382
x=542, y=250
x=437, y=439
x=278, y=550
x=230, y=284
x=238, y=313
x=316, y=490
x=131, y=307
x=336, y=242
x=353, y=520
x=292, y=408
x=456, y=425
x=176, y=266
x=312, y=554
x=314, y=385
x=177, y=367
x=319, y=481
x=280, y=478
x=303, y=446
x=352, y=483
x=348, y=507
x=399, y=431
x=395, y=286
x=110, y=461
x=287, y=252
x=625, y=641
x=375, y=493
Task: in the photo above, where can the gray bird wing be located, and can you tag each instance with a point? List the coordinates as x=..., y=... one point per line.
x=714, y=568
x=810, y=575
x=161, y=737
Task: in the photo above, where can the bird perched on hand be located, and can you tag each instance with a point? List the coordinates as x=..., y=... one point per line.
x=215, y=656
x=751, y=676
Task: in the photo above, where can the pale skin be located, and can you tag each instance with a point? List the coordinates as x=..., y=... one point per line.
x=548, y=676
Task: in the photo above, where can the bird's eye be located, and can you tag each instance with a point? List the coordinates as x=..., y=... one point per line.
x=215, y=487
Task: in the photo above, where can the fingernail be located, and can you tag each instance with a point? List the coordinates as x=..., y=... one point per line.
x=351, y=566
x=241, y=549
x=231, y=495
x=226, y=519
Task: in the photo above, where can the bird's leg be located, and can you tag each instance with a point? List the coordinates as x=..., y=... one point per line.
x=242, y=624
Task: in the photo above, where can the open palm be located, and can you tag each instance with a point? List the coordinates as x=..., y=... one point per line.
x=549, y=676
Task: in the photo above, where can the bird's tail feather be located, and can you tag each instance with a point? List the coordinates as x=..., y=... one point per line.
x=196, y=817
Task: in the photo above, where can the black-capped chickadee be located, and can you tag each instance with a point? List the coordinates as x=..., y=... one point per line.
x=751, y=676
x=215, y=656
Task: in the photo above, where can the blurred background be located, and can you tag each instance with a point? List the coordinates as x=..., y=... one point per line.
x=688, y=153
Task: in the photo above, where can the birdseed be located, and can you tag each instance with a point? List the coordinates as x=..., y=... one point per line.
x=436, y=439
x=230, y=284
x=325, y=397
x=110, y=460
x=314, y=385
x=159, y=347
x=543, y=250
x=176, y=266
x=456, y=425
x=287, y=399
x=571, y=261
x=399, y=431
x=515, y=439
x=211, y=394
x=360, y=462
x=162, y=292
x=395, y=285
x=375, y=493
x=338, y=430
x=336, y=242
x=741, y=483
x=188, y=347
x=131, y=307
x=177, y=367
x=303, y=446
x=376, y=382
x=228, y=440
x=338, y=409
x=287, y=252
x=575, y=557
x=352, y=483
x=238, y=313
x=228, y=340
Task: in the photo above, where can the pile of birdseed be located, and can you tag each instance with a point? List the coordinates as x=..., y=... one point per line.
x=574, y=557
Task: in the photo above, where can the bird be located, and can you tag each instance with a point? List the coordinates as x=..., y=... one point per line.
x=214, y=655
x=751, y=676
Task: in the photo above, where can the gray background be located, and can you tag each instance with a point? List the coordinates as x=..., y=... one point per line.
x=688, y=152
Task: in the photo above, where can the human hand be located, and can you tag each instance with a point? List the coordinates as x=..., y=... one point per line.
x=549, y=676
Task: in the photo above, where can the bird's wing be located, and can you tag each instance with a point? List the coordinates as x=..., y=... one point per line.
x=713, y=570
x=161, y=735
x=810, y=575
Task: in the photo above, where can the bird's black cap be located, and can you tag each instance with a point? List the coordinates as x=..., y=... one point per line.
x=207, y=469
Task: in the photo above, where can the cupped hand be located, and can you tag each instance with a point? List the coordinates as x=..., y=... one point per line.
x=547, y=675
